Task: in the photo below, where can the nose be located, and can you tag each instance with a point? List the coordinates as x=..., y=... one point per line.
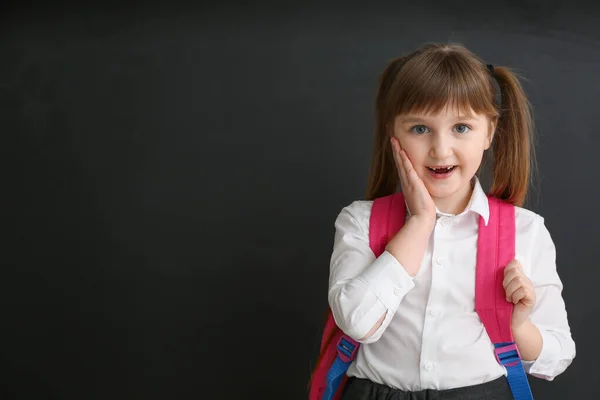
x=441, y=146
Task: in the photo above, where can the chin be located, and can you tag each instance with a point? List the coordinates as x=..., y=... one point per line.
x=440, y=193
x=441, y=190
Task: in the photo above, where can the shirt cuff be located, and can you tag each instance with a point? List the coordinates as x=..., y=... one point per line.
x=544, y=366
x=388, y=280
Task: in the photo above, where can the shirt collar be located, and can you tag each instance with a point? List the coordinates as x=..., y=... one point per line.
x=478, y=203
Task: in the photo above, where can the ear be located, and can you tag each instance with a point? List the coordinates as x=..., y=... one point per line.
x=490, y=136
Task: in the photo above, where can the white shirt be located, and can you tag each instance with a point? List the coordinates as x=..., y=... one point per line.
x=432, y=337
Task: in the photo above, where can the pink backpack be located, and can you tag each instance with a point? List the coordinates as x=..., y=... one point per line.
x=495, y=249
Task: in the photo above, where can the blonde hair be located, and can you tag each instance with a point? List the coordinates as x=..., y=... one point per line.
x=440, y=75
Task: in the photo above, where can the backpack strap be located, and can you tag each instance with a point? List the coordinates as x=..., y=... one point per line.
x=387, y=217
x=495, y=249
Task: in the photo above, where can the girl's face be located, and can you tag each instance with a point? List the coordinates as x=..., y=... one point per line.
x=446, y=150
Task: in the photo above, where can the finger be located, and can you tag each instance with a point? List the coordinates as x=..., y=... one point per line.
x=510, y=271
x=509, y=276
x=513, y=265
x=411, y=174
x=406, y=164
x=525, y=296
x=518, y=295
x=399, y=163
x=512, y=287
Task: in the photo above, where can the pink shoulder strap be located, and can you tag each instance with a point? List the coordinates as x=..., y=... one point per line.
x=387, y=217
x=337, y=349
x=495, y=249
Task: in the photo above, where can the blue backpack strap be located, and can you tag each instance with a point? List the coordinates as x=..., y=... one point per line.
x=347, y=349
x=508, y=355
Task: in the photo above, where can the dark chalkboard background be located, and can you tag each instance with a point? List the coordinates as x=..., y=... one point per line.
x=171, y=175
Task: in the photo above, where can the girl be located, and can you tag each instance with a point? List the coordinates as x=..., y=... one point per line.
x=413, y=307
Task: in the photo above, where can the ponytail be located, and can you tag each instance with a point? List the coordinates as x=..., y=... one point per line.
x=512, y=147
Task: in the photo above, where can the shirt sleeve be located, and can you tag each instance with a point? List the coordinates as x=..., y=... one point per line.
x=362, y=288
x=549, y=314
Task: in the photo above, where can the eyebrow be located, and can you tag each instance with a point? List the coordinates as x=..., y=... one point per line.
x=424, y=120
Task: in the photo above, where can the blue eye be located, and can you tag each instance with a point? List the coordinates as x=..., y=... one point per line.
x=461, y=128
x=419, y=129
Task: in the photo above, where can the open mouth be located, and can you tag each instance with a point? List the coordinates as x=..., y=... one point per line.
x=441, y=170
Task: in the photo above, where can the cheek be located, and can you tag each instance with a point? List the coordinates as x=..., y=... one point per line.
x=415, y=156
x=402, y=140
x=413, y=148
x=473, y=155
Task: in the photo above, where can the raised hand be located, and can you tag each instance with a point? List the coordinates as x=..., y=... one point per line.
x=418, y=199
x=409, y=244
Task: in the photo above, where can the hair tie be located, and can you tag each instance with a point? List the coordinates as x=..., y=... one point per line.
x=491, y=68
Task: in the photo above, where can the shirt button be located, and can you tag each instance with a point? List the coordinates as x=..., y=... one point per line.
x=397, y=291
x=439, y=261
x=428, y=366
x=434, y=312
x=444, y=221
